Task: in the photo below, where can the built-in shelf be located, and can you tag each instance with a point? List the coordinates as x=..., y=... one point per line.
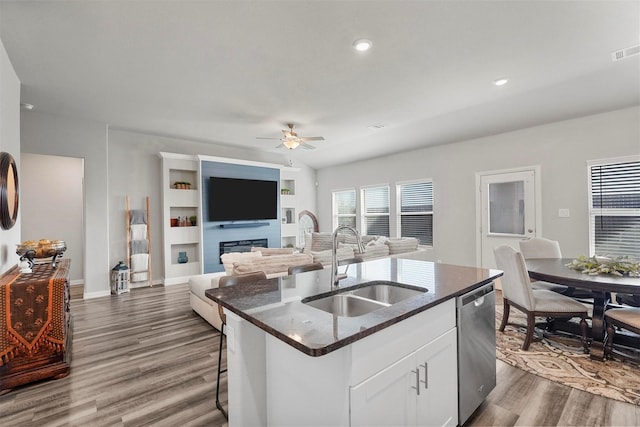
x=180, y=203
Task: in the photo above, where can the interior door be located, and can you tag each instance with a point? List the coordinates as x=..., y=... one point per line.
x=508, y=211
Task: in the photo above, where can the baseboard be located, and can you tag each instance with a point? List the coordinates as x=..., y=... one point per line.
x=98, y=294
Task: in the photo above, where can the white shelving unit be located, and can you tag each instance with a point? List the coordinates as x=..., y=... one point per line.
x=289, y=207
x=181, y=203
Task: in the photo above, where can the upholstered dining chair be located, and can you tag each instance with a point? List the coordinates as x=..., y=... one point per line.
x=517, y=292
x=230, y=281
x=539, y=247
x=295, y=269
x=624, y=318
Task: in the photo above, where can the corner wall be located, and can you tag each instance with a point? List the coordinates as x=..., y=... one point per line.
x=562, y=149
x=10, y=143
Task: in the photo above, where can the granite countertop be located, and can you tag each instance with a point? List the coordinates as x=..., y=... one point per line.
x=275, y=306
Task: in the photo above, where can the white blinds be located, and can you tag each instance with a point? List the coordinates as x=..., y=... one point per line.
x=416, y=211
x=376, y=210
x=615, y=209
x=344, y=208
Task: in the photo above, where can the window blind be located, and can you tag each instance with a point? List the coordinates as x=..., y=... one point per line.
x=344, y=208
x=615, y=209
x=376, y=210
x=416, y=211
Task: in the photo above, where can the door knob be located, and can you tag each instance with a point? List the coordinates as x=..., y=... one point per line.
x=529, y=230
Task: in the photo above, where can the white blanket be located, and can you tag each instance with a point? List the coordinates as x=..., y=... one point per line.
x=139, y=232
x=139, y=262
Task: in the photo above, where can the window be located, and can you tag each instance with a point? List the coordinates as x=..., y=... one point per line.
x=415, y=211
x=614, y=207
x=344, y=208
x=375, y=210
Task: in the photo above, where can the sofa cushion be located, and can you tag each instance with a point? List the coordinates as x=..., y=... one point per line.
x=271, y=264
x=321, y=241
x=324, y=257
x=272, y=251
x=229, y=258
x=402, y=244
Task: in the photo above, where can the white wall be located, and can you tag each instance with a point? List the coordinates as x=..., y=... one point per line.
x=10, y=143
x=562, y=150
x=48, y=182
x=63, y=136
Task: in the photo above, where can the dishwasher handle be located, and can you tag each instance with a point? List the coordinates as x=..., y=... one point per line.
x=476, y=296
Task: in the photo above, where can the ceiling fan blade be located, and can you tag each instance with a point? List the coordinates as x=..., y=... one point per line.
x=307, y=146
x=280, y=146
x=312, y=138
x=263, y=137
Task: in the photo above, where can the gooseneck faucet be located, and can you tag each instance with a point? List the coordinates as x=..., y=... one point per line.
x=335, y=277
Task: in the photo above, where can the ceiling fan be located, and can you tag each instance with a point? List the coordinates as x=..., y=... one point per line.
x=291, y=140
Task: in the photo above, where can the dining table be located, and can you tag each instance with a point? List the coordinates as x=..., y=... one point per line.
x=555, y=270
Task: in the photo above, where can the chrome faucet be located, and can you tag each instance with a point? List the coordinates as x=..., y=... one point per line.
x=335, y=277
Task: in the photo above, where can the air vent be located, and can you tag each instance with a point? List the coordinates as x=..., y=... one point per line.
x=625, y=53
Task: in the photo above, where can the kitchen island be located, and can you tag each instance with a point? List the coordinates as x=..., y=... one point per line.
x=290, y=363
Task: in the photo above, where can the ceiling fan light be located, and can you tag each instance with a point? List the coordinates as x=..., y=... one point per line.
x=290, y=143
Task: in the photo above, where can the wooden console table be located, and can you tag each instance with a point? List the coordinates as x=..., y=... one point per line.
x=35, y=325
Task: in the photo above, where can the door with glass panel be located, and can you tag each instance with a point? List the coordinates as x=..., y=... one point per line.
x=508, y=211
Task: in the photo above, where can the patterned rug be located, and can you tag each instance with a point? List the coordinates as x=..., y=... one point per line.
x=560, y=359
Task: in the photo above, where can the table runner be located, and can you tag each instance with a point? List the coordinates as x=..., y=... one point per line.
x=33, y=312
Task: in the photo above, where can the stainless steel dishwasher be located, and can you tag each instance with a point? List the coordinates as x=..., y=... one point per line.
x=476, y=317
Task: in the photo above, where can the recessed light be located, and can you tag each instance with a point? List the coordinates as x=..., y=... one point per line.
x=362, y=45
x=375, y=126
x=26, y=106
x=500, y=82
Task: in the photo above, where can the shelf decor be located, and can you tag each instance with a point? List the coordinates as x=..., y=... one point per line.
x=182, y=185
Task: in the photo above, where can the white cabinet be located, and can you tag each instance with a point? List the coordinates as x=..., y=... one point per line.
x=419, y=389
x=180, y=206
x=369, y=382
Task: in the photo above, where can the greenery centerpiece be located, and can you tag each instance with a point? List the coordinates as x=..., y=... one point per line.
x=619, y=266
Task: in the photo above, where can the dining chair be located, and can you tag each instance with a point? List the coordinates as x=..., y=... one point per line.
x=295, y=269
x=517, y=292
x=230, y=280
x=624, y=318
x=540, y=247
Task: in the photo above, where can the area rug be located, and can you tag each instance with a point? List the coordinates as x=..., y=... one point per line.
x=560, y=359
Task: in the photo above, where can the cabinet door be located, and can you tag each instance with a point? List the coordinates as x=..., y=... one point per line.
x=388, y=398
x=437, y=403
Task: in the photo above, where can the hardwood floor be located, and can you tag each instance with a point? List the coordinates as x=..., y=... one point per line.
x=145, y=358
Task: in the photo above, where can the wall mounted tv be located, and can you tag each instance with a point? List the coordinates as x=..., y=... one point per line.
x=235, y=199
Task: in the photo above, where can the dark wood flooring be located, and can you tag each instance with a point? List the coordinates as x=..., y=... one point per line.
x=146, y=359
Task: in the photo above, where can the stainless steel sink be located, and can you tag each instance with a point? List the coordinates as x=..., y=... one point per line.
x=387, y=294
x=346, y=305
x=363, y=299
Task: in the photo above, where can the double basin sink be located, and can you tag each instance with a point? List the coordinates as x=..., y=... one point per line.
x=363, y=299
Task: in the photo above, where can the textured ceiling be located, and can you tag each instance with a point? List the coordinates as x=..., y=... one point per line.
x=226, y=72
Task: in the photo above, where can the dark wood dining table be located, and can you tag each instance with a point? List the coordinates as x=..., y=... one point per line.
x=555, y=270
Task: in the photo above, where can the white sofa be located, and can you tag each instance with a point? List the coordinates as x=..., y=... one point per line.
x=273, y=261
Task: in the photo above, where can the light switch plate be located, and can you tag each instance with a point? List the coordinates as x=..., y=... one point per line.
x=563, y=213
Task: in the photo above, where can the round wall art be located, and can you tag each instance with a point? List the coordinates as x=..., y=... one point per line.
x=8, y=191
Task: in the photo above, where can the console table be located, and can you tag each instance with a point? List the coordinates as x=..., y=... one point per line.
x=35, y=324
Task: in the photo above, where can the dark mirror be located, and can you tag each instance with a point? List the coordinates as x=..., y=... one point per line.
x=8, y=191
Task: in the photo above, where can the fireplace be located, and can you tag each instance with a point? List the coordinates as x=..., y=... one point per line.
x=241, y=246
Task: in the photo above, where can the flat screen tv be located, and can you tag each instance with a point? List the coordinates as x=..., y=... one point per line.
x=235, y=199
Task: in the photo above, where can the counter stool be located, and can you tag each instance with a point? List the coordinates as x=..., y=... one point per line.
x=230, y=281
